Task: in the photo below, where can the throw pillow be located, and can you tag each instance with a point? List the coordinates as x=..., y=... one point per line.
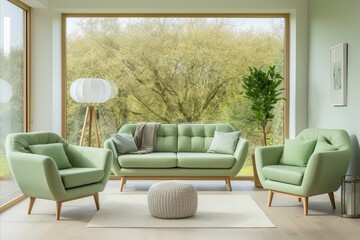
x=224, y=142
x=124, y=142
x=297, y=152
x=323, y=145
x=55, y=151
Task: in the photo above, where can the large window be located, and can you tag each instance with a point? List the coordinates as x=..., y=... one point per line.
x=14, y=79
x=173, y=69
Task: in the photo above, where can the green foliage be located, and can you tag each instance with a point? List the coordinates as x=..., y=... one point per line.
x=12, y=112
x=4, y=167
x=170, y=71
x=264, y=91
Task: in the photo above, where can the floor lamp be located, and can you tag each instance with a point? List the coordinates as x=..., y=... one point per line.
x=92, y=91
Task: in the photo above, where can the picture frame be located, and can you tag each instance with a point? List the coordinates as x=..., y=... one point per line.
x=338, y=74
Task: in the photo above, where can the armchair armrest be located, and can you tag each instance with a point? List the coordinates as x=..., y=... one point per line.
x=109, y=144
x=37, y=175
x=240, y=155
x=324, y=171
x=267, y=155
x=88, y=157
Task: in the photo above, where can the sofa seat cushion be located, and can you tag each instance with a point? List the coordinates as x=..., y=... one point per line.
x=205, y=160
x=76, y=177
x=283, y=173
x=148, y=160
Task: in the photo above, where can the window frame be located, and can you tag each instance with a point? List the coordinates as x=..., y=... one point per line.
x=285, y=16
x=26, y=82
x=27, y=65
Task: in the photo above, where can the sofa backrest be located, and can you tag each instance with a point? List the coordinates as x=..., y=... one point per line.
x=20, y=142
x=166, y=139
x=198, y=137
x=338, y=138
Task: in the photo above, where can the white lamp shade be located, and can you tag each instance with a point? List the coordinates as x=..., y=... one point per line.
x=5, y=91
x=92, y=90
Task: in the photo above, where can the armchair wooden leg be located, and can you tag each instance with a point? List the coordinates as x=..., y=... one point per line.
x=122, y=183
x=96, y=198
x=228, y=183
x=31, y=204
x=58, y=209
x=299, y=199
x=306, y=205
x=270, y=197
x=332, y=200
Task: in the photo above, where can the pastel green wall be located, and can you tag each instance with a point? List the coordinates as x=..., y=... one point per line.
x=332, y=22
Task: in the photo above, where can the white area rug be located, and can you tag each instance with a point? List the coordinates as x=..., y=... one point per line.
x=214, y=211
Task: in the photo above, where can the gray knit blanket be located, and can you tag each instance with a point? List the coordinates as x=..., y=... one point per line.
x=145, y=137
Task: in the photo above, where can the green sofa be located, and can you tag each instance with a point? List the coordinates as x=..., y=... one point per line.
x=180, y=153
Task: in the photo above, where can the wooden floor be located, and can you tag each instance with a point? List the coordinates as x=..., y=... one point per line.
x=8, y=191
x=286, y=213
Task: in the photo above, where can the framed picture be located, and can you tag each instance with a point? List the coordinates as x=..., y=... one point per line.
x=338, y=74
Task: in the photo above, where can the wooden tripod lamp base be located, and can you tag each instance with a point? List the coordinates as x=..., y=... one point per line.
x=90, y=116
x=92, y=90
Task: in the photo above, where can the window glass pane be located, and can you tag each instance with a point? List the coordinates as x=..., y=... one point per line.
x=173, y=70
x=12, y=88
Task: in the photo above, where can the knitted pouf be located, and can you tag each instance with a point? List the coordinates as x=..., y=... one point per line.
x=171, y=199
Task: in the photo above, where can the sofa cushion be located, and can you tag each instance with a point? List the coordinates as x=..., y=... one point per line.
x=224, y=142
x=124, y=143
x=286, y=174
x=148, y=160
x=76, y=177
x=198, y=137
x=166, y=136
x=205, y=160
x=338, y=138
x=53, y=150
x=297, y=152
x=323, y=145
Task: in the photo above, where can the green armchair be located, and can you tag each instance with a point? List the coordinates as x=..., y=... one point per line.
x=47, y=167
x=281, y=170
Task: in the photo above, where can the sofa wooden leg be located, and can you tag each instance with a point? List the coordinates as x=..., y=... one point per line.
x=122, y=183
x=299, y=199
x=306, y=205
x=228, y=183
x=270, y=197
x=31, y=204
x=332, y=200
x=96, y=198
x=58, y=209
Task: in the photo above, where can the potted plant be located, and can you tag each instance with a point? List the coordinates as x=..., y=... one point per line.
x=263, y=89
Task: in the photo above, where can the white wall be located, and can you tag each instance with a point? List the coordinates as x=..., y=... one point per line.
x=37, y=3
x=46, y=47
x=332, y=22
x=41, y=70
